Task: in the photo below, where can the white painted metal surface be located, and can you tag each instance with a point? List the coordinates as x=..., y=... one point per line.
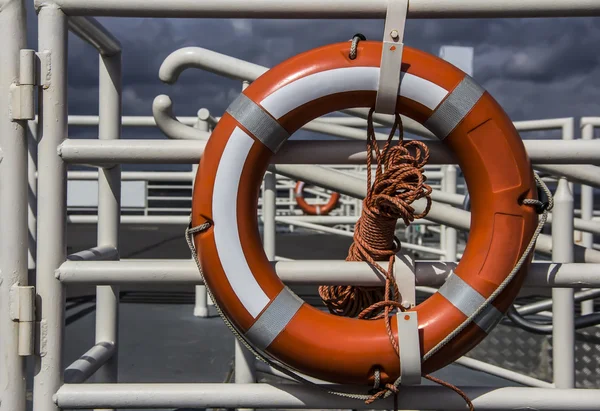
x=563, y=307
x=291, y=396
x=332, y=9
x=51, y=245
x=13, y=207
x=576, y=160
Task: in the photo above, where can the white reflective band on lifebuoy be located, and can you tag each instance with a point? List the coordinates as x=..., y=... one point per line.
x=312, y=87
x=468, y=301
x=226, y=233
x=258, y=122
x=409, y=345
x=274, y=319
x=318, y=210
x=454, y=109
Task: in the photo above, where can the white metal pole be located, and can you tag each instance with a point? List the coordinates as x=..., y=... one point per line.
x=269, y=213
x=51, y=247
x=443, y=227
x=587, y=213
x=328, y=272
x=577, y=156
x=568, y=134
x=563, y=307
x=32, y=140
x=13, y=207
x=201, y=300
x=109, y=209
x=331, y=9
x=451, y=233
x=304, y=396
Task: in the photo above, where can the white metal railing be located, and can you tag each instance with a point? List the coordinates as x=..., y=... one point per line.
x=46, y=176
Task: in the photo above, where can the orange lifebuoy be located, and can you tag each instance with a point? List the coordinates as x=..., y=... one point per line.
x=459, y=112
x=314, y=209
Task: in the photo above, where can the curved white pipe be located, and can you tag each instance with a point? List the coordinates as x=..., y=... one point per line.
x=201, y=58
x=162, y=109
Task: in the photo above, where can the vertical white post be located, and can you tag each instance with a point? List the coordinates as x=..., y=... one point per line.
x=587, y=213
x=244, y=360
x=292, y=198
x=563, y=305
x=443, y=180
x=451, y=234
x=269, y=208
x=32, y=140
x=109, y=209
x=52, y=183
x=13, y=207
x=568, y=133
x=201, y=305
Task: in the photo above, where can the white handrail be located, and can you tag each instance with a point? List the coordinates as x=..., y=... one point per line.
x=341, y=9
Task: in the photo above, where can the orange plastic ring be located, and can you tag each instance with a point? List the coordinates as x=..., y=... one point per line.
x=311, y=209
x=433, y=92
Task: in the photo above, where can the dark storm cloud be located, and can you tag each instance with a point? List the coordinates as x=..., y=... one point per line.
x=535, y=68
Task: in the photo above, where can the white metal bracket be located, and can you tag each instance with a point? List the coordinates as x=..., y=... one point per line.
x=391, y=56
x=404, y=273
x=22, y=310
x=410, y=351
x=22, y=93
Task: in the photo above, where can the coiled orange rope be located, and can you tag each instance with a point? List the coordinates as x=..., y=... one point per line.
x=399, y=181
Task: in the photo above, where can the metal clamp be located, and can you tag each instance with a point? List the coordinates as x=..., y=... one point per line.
x=404, y=273
x=391, y=57
x=410, y=351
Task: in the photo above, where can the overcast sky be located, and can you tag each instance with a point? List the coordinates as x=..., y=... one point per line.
x=535, y=68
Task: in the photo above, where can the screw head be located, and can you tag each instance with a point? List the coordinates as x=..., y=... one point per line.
x=394, y=34
x=406, y=305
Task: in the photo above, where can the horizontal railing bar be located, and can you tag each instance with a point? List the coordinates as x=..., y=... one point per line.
x=86, y=365
x=302, y=152
x=543, y=124
x=325, y=229
x=263, y=367
x=593, y=121
x=332, y=220
x=133, y=219
x=502, y=372
x=169, y=198
x=126, y=121
x=584, y=174
x=137, y=176
x=301, y=396
x=340, y=9
x=132, y=151
x=96, y=253
x=536, y=307
x=91, y=31
x=326, y=272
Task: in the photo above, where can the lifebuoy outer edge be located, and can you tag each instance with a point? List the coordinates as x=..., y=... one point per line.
x=458, y=111
x=311, y=209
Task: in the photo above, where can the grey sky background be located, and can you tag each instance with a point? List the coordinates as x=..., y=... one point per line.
x=535, y=68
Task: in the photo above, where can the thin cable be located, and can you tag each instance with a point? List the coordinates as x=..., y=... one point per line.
x=583, y=321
